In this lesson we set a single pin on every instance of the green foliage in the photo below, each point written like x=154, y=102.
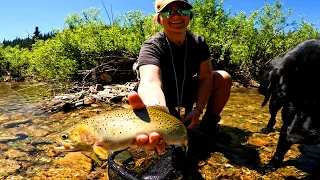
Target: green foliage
x=17, y=59
x=244, y=43
x=13, y=60
x=87, y=39
x=304, y=31
x=137, y=29
x=209, y=17
x=47, y=61
x=3, y=62
x=239, y=43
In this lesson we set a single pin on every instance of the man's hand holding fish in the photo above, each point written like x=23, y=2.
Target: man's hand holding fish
x=152, y=140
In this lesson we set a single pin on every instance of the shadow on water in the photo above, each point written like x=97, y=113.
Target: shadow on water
x=307, y=161
x=235, y=151
x=238, y=153
x=17, y=124
x=19, y=137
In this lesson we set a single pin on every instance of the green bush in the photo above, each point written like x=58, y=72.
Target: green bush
x=239, y=43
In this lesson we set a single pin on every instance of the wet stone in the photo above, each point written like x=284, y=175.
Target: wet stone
x=15, y=177
x=259, y=141
x=38, y=131
x=76, y=160
x=99, y=87
x=4, y=147
x=3, y=117
x=8, y=167
x=25, y=164
x=98, y=173
x=74, y=165
x=12, y=154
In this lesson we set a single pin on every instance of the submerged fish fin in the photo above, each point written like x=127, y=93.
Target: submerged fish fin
x=161, y=108
x=93, y=157
x=102, y=153
x=185, y=146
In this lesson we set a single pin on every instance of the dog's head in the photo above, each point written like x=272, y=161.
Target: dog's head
x=271, y=77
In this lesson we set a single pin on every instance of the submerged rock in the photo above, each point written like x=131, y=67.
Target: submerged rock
x=12, y=154
x=74, y=165
x=8, y=167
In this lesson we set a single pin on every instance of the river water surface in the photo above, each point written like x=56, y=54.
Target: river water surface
x=27, y=138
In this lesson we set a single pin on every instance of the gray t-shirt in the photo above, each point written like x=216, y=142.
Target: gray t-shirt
x=156, y=51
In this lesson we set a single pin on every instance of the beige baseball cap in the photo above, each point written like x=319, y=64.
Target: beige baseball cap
x=161, y=4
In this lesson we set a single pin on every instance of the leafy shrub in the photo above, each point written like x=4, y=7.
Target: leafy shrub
x=239, y=43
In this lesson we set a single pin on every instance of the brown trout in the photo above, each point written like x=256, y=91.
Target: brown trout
x=115, y=130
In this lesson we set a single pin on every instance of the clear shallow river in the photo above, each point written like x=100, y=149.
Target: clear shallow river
x=27, y=140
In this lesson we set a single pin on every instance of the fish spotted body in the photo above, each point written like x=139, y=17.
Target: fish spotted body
x=116, y=130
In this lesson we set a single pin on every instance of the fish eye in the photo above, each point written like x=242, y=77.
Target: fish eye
x=64, y=136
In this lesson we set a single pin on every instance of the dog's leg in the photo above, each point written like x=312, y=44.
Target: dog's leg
x=282, y=148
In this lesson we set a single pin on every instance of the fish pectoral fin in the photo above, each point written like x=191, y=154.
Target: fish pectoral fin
x=101, y=152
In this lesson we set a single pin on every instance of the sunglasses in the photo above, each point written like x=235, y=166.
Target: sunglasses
x=170, y=12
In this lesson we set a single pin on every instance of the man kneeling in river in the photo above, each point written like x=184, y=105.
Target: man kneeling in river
x=175, y=71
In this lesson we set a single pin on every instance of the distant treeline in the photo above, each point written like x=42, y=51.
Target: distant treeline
x=27, y=42
x=239, y=43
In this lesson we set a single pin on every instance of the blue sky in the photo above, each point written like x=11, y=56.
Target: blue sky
x=18, y=18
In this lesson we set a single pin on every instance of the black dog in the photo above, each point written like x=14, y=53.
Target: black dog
x=269, y=86
x=292, y=82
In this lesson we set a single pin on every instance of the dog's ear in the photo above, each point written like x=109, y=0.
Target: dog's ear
x=272, y=81
x=270, y=78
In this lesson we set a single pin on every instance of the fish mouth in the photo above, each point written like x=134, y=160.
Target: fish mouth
x=65, y=147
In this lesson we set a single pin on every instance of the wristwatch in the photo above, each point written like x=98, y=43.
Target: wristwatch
x=196, y=108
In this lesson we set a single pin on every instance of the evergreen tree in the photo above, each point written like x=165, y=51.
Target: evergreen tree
x=27, y=42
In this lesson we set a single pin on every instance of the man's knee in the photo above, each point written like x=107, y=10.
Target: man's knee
x=221, y=79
